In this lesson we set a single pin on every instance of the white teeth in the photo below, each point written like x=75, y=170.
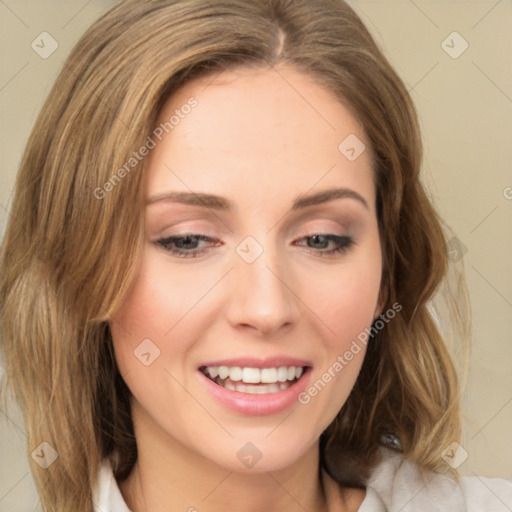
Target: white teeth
x=251, y=375
x=273, y=388
x=268, y=375
x=282, y=374
x=235, y=373
x=255, y=375
x=258, y=389
x=223, y=372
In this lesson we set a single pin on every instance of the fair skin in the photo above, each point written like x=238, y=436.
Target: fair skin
x=260, y=143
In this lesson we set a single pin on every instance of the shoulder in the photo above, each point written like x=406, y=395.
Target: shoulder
x=106, y=494
x=398, y=484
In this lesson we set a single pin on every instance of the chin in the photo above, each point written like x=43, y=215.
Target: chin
x=259, y=456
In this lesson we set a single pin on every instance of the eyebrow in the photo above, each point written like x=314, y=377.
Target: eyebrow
x=222, y=204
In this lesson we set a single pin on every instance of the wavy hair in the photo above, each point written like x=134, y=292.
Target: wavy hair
x=68, y=258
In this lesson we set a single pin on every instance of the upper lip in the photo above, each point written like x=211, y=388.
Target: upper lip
x=254, y=362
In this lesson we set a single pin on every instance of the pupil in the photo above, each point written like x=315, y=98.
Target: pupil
x=320, y=239
x=185, y=241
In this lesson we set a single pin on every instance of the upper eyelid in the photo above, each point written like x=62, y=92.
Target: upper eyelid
x=202, y=233
x=351, y=211
x=343, y=222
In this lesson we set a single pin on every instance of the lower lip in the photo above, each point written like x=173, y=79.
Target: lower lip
x=257, y=405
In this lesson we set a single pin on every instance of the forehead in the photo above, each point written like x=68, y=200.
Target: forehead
x=258, y=135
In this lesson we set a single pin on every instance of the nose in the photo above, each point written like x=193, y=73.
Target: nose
x=262, y=296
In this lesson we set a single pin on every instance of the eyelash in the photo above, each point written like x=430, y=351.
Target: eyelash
x=345, y=243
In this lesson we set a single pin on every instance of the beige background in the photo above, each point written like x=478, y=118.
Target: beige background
x=465, y=106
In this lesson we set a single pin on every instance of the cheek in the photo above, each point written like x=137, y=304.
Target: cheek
x=152, y=332
x=159, y=303
x=145, y=323
x=347, y=299
x=346, y=306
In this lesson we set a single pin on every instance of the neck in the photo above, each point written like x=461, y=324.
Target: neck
x=169, y=477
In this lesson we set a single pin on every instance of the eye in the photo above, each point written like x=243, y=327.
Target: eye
x=184, y=246
x=321, y=241
x=188, y=246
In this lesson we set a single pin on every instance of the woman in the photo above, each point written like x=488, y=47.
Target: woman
x=217, y=279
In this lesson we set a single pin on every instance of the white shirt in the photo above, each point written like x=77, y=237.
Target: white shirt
x=395, y=485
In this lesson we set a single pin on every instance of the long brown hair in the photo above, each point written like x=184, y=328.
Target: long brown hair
x=68, y=256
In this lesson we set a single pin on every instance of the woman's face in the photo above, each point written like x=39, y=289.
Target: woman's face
x=239, y=337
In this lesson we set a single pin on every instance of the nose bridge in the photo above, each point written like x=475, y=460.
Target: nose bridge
x=261, y=296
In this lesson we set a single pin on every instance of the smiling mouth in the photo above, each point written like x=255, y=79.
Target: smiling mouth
x=254, y=380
